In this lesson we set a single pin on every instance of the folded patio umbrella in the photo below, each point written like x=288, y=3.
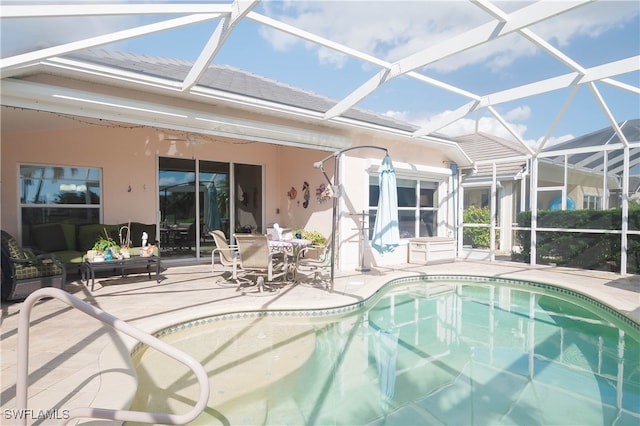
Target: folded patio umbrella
x=212, y=214
x=386, y=236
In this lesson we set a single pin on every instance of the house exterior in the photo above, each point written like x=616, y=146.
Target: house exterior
x=476, y=187
x=108, y=137
x=594, y=177
x=586, y=172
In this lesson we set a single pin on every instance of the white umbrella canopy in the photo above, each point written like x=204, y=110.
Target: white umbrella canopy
x=386, y=236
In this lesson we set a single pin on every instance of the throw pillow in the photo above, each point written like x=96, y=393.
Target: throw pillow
x=49, y=237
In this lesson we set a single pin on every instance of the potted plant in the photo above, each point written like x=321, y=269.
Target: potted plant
x=316, y=238
x=105, y=244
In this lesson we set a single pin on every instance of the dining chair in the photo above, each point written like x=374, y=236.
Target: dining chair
x=227, y=253
x=314, y=259
x=257, y=259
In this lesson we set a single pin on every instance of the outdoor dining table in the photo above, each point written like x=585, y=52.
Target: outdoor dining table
x=289, y=248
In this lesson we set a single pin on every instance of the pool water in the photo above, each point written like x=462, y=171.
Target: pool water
x=419, y=352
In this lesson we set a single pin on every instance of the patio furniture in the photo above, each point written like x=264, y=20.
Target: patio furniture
x=257, y=259
x=312, y=259
x=185, y=239
x=227, y=253
x=288, y=250
x=23, y=272
x=88, y=269
x=70, y=242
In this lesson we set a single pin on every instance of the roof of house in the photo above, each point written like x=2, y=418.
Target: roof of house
x=482, y=146
x=604, y=137
x=231, y=80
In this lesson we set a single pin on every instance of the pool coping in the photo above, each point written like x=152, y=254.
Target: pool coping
x=556, y=290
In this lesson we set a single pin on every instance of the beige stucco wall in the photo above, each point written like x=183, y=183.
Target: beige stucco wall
x=128, y=156
x=408, y=158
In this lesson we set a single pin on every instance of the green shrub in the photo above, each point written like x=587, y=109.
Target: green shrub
x=479, y=237
x=575, y=249
x=315, y=237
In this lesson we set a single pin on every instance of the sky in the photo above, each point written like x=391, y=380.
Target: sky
x=591, y=35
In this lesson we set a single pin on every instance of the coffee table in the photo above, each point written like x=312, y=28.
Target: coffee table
x=88, y=269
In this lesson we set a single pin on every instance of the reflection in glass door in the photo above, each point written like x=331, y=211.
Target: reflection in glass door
x=248, y=195
x=222, y=188
x=177, y=195
x=214, y=202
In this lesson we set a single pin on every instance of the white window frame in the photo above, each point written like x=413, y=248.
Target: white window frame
x=420, y=173
x=21, y=205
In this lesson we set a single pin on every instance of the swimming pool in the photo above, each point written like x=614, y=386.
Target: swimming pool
x=423, y=350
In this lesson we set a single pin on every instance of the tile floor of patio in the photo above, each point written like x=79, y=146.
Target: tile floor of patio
x=76, y=361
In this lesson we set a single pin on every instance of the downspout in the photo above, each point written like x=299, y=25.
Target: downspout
x=492, y=209
x=454, y=180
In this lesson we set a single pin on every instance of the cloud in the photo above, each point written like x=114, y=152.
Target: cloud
x=555, y=140
x=395, y=30
x=518, y=114
x=484, y=124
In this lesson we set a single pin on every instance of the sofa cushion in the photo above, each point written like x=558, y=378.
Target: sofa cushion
x=70, y=230
x=70, y=256
x=49, y=237
x=88, y=235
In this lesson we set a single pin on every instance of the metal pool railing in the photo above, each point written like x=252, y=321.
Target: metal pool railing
x=119, y=325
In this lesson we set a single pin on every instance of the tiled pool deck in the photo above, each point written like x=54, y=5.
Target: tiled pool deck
x=76, y=361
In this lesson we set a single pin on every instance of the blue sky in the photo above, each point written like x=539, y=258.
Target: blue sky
x=592, y=35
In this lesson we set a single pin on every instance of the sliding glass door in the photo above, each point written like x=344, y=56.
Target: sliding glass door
x=198, y=196
x=214, y=199
x=248, y=191
x=177, y=194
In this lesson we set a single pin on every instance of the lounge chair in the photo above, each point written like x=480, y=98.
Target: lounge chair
x=257, y=259
x=227, y=254
x=23, y=272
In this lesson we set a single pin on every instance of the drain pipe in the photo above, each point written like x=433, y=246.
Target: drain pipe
x=454, y=180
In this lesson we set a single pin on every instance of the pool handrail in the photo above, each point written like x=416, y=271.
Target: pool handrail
x=119, y=325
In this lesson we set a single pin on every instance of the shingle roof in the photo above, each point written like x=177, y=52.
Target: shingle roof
x=231, y=80
x=602, y=137
x=481, y=146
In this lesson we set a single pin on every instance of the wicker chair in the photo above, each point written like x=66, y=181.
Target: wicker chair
x=23, y=272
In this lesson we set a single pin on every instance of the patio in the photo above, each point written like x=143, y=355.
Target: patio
x=75, y=361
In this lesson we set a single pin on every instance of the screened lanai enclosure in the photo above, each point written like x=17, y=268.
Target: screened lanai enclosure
x=559, y=79
x=584, y=210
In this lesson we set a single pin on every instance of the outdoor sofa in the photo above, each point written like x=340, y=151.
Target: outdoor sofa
x=69, y=242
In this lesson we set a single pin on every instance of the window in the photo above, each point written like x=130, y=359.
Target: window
x=417, y=207
x=592, y=202
x=59, y=194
